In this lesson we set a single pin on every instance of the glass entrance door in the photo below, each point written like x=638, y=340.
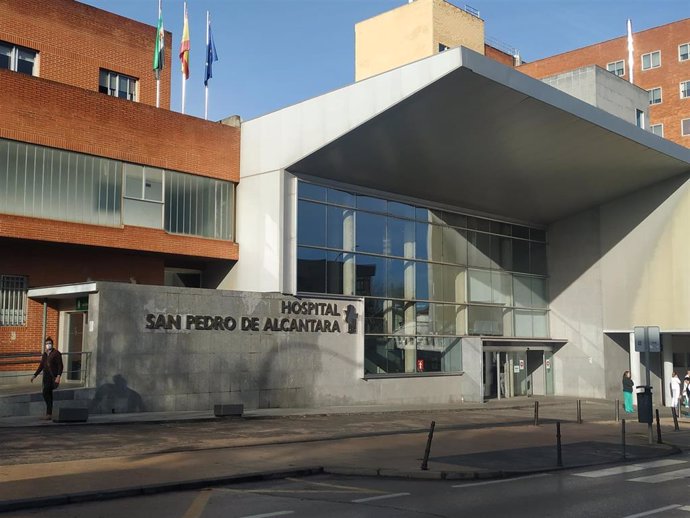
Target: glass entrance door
x=75, y=343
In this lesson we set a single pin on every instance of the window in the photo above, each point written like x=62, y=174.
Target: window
x=639, y=118
x=442, y=47
x=651, y=60
x=684, y=52
x=13, y=300
x=143, y=196
x=657, y=129
x=655, y=95
x=684, y=89
x=685, y=127
x=17, y=59
x=117, y=85
x=616, y=67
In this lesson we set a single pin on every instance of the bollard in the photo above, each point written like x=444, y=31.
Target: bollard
x=675, y=419
x=536, y=413
x=428, y=446
x=658, y=427
x=623, y=437
x=617, y=411
x=579, y=411
x=559, y=454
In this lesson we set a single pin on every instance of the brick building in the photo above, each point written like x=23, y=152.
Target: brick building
x=662, y=67
x=96, y=182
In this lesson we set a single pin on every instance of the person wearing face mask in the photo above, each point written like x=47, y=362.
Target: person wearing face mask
x=51, y=366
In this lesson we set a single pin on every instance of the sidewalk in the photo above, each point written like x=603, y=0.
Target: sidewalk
x=192, y=450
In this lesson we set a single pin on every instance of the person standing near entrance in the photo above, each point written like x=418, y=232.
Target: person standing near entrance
x=51, y=366
x=675, y=393
x=627, y=392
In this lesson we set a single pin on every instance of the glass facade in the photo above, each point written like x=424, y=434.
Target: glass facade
x=428, y=277
x=48, y=183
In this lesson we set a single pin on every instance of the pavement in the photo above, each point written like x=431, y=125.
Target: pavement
x=45, y=463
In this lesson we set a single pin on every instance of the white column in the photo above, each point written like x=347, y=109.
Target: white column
x=635, y=367
x=349, y=273
x=408, y=293
x=667, y=358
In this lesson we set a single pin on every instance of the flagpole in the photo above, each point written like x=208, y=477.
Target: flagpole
x=631, y=60
x=158, y=75
x=184, y=79
x=184, y=88
x=206, y=85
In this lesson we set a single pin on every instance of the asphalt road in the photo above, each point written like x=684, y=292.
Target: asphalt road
x=649, y=488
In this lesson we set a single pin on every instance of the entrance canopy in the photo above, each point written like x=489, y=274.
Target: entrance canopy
x=473, y=134
x=66, y=291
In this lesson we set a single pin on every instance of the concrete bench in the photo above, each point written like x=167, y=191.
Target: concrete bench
x=228, y=410
x=71, y=415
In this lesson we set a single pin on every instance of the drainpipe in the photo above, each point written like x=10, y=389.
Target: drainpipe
x=45, y=318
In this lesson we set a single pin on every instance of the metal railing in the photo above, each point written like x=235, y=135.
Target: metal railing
x=76, y=366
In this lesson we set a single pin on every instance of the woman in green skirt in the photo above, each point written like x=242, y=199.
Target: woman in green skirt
x=628, y=392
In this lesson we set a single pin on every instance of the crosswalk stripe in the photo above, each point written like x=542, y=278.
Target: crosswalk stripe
x=653, y=511
x=619, y=470
x=381, y=497
x=502, y=481
x=663, y=477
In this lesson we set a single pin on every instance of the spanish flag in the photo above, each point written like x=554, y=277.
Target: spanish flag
x=184, y=46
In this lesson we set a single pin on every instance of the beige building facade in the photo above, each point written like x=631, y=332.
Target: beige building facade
x=413, y=31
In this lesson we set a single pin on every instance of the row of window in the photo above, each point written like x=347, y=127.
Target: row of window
x=41, y=182
x=649, y=60
x=655, y=96
x=658, y=129
x=362, y=203
x=25, y=61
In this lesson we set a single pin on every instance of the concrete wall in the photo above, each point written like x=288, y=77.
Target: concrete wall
x=260, y=201
x=604, y=90
x=612, y=268
x=135, y=369
x=576, y=306
x=411, y=32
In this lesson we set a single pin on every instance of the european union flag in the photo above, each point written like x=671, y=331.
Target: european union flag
x=211, y=55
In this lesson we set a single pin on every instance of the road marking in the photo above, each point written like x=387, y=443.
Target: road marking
x=663, y=477
x=502, y=480
x=381, y=497
x=619, y=470
x=198, y=505
x=287, y=491
x=685, y=508
x=352, y=489
x=267, y=515
x=653, y=511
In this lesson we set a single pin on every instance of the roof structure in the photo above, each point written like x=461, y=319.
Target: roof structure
x=459, y=129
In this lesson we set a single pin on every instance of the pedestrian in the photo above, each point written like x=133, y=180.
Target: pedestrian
x=51, y=366
x=628, y=392
x=685, y=395
x=675, y=393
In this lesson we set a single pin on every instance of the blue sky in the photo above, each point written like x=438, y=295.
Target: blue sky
x=274, y=53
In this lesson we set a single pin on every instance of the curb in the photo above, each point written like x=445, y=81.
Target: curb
x=185, y=485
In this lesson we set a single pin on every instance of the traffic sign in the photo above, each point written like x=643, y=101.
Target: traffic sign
x=647, y=338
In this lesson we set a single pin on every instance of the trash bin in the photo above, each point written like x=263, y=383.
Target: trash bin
x=644, y=404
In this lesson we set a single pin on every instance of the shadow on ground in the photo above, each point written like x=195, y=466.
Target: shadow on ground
x=574, y=454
